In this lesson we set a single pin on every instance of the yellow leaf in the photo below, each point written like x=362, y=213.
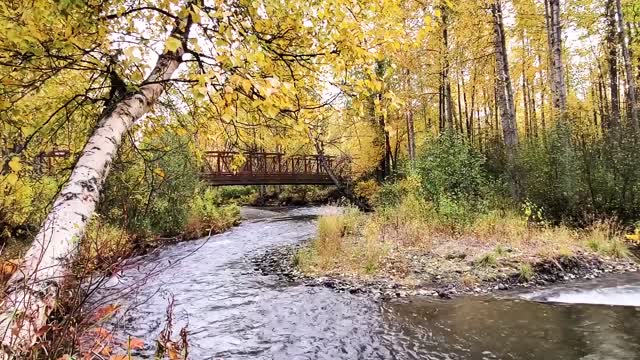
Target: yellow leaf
x=12, y=179
x=173, y=44
x=246, y=85
x=158, y=172
x=172, y=353
x=14, y=164
x=195, y=14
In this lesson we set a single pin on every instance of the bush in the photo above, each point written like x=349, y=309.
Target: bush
x=23, y=204
x=367, y=190
x=577, y=175
x=450, y=168
x=393, y=193
x=102, y=246
x=160, y=193
x=208, y=215
x=151, y=195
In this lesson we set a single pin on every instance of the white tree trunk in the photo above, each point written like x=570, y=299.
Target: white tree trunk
x=504, y=97
x=630, y=77
x=504, y=86
x=558, y=83
x=34, y=287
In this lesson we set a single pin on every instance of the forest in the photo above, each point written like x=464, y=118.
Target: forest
x=511, y=122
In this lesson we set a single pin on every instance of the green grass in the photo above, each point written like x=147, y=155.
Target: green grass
x=525, y=272
x=487, y=260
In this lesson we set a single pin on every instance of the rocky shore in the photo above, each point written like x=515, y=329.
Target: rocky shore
x=430, y=275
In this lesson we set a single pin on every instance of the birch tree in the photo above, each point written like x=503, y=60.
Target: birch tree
x=504, y=93
x=558, y=83
x=35, y=288
x=612, y=61
x=630, y=77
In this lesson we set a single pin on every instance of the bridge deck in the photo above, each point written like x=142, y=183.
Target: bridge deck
x=233, y=168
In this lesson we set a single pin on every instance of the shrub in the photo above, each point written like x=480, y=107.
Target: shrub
x=236, y=194
x=151, y=192
x=393, y=193
x=23, y=204
x=103, y=245
x=208, y=215
x=367, y=190
x=577, y=175
x=450, y=168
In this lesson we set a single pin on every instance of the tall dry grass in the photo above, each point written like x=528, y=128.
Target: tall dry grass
x=359, y=243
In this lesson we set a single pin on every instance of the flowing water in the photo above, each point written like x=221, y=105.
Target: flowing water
x=234, y=312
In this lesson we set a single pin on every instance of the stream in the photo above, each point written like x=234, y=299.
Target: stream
x=233, y=312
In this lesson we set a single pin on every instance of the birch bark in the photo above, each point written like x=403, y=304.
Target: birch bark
x=628, y=69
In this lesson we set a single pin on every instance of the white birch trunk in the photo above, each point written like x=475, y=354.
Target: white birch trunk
x=630, y=78
x=504, y=86
x=34, y=287
x=558, y=83
x=504, y=95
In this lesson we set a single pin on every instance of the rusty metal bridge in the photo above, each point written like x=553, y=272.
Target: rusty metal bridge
x=263, y=168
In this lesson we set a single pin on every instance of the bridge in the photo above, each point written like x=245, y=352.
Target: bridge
x=263, y=168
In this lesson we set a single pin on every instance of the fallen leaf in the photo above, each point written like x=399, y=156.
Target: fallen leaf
x=105, y=312
x=102, y=333
x=106, y=351
x=135, y=343
x=43, y=330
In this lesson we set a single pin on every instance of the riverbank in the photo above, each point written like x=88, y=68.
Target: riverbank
x=443, y=277
x=295, y=195
x=106, y=245
x=396, y=255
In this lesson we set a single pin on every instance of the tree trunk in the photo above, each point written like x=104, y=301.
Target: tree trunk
x=411, y=137
x=34, y=288
x=631, y=81
x=554, y=37
x=605, y=117
x=525, y=100
x=504, y=91
x=446, y=82
x=612, y=60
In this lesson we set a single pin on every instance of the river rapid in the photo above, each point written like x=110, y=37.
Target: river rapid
x=233, y=311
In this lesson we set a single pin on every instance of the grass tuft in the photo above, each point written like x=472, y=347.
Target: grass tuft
x=525, y=272
x=487, y=260
x=607, y=239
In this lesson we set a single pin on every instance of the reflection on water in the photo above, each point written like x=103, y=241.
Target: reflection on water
x=233, y=312
x=474, y=328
